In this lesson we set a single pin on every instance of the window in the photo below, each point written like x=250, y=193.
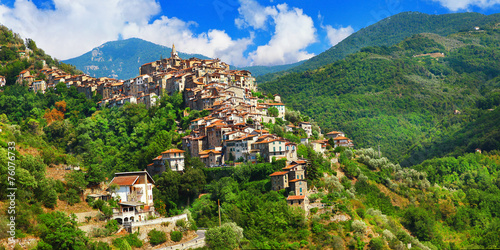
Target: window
x=280, y=148
x=297, y=176
x=300, y=191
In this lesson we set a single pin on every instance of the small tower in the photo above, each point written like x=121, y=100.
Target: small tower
x=174, y=54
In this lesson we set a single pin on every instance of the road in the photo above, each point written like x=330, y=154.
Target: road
x=194, y=243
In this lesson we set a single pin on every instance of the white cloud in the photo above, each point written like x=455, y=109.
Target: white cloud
x=335, y=36
x=294, y=32
x=75, y=27
x=455, y=5
x=254, y=15
x=214, y=43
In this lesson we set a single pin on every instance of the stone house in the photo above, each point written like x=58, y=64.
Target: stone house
x=334, y=134
x=279, y=180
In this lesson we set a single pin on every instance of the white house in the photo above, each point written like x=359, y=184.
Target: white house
x=135, y=195
x=175, y=159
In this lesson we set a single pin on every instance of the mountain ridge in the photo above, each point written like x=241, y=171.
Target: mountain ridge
x=121, y=59
x=401, y=25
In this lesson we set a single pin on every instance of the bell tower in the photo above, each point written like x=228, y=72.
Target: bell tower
x=174, y=54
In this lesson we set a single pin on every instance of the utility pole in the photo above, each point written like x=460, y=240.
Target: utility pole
x=218, y=203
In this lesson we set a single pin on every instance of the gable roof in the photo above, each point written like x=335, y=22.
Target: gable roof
x=129, y=178
x=125, y=180
x=296, y=197
x=278, y=173
x=174, y=150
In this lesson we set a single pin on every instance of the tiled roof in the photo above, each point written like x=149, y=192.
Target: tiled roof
x=295, y=180
x=174, y=150
x=125, y=180
x=278, y=173
x=296, y=197
x=334, y=133
x=289, y=166
x=340, y=138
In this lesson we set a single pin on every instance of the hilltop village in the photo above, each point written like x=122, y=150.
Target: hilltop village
x=233, y=132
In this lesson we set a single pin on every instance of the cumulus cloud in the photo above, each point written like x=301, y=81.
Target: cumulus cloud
x=254, y=15
x=294, y=31
x=74, y=27
x=214, y=43
x=455, y=5
x=335, y=36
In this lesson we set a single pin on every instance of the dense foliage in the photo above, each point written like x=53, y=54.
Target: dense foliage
x=414, y=107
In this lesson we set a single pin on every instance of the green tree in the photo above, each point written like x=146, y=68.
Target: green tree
x=228, y=236
x=273, y=111
x=157, y=237
x=176, y=236
x=61, y=231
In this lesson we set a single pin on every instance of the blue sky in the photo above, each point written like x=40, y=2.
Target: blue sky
x=241, y=32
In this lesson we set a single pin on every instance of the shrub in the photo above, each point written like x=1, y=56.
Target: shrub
x=157, y=237
x=112, y=226
x=358, y=226
x=377, y=243
x=127, y=242
x=176, y=236
x=314, y=210
x=361, y=213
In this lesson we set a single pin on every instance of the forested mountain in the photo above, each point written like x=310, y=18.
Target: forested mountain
x=415, y=101
x=262, y=70
x=122, y=59
x=390, y=31
x=416, y=107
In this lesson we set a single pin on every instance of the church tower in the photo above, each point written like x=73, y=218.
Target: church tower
x=174, y=54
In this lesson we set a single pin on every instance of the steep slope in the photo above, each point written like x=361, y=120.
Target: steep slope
x=390, y=31
x=386, y=96
x=122, y=59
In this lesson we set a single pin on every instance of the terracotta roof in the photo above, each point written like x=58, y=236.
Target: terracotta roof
x=278, y=173
x=334, y=133
x=300, y=162
x=125, y=180
x=174, y=150
x=209, y=151
x=157, y=158
x=340, y=138
x=295, y=180
x=290, y=166
x=296, y=197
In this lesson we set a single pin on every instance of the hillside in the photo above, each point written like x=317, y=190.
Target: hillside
x=423, y=98
x=17, y=55
x=122, y=59
x=390, y=31
x=384, y=95
x=262, y=70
